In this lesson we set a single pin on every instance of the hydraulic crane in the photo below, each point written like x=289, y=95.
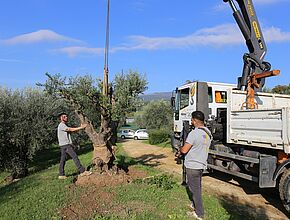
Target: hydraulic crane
x=255, y=69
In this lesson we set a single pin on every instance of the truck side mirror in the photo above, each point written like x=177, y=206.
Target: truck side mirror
x=172, y=100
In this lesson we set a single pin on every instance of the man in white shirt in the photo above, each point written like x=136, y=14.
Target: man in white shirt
x=65, y=143
x=196, y=149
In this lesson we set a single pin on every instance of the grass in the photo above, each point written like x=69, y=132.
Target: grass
x=159, y=203
x=41, y=195
x=163, y=144
x=3, y=175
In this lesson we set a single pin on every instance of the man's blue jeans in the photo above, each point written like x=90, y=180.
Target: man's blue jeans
x=194, y=184
x=68, y=150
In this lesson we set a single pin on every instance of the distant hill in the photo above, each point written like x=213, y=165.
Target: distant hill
x=156, y=96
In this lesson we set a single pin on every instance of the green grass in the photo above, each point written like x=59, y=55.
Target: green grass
x=163, y=144
x=3, y=175
x=41, y=195
x=164, y=204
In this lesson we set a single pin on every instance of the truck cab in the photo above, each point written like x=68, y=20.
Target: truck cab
x=252, y=144
x=190, y=97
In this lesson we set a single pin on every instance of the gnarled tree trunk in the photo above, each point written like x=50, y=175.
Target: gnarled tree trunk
x=103, y=155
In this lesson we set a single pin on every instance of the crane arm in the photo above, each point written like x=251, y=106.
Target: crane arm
x=249, y=25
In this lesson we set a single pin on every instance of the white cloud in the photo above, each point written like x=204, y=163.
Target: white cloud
x=223, y=6
x=274, y=34
x=218, y=36
x=10, y=61
x=222, y=35
x=38, y=36
x=139, y=5
x=264, y=2
x=74, y=51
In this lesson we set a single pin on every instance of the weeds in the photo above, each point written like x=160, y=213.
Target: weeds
x=160, y=181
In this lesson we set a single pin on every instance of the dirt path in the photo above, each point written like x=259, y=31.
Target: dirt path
x=238, y=195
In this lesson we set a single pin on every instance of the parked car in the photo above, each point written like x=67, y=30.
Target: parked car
x=126, y=133
x=141, y=134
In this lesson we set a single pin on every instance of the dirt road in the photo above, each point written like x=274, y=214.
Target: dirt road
x=237, y=196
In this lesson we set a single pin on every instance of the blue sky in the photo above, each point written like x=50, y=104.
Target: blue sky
x=169, y=41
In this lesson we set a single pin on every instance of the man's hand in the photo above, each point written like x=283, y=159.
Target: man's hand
x=178, y=157
x=84, y=125
x=178, y=154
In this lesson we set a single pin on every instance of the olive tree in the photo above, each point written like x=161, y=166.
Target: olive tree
x=281, y=89
x=27, y=124
x=155, y=115
x=127, y=88
x=94, y=109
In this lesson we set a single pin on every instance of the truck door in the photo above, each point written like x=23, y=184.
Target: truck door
x=202, y=98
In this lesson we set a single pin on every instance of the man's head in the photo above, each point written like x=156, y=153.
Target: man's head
x=197, y=118
x=63, y=117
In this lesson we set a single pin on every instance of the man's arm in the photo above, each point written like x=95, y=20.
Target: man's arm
x=186, y=147
x=76, y=129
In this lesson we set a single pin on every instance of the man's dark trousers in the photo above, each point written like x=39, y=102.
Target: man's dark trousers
x=68, y=149
x=194, y=184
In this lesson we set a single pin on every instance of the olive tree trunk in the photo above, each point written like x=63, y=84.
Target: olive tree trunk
x=103, y=154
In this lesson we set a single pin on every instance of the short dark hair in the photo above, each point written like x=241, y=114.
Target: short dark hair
x=62, y=113
x=198, y=115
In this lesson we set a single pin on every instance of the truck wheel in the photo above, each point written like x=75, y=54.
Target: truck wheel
x=284, y=189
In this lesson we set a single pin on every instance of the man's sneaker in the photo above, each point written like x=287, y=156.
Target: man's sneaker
x=193, y=214
x=86, y=173
x=62, y=177
x=192, y=207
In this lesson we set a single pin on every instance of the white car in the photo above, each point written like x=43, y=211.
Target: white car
x=141, y=134
x=126, y=133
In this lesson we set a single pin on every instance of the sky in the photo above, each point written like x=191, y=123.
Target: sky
x=169, y=41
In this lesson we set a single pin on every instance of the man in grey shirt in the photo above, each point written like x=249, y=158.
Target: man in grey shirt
x=65, y=143
x=196, y=149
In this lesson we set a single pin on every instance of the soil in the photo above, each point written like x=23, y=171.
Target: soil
x=237, y=196
x=94, y=195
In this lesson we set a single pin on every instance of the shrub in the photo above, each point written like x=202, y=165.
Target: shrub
x=160, y=181
x=27, y=124
x=158, y=136
x=155, y=115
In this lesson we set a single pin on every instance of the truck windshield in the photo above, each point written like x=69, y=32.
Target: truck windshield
x=184, y=98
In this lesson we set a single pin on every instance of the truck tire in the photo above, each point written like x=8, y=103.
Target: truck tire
x=284, y=189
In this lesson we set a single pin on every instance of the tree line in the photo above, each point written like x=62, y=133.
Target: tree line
x=29, y=117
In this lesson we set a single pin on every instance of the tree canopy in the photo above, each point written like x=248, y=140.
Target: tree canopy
x=27, y=124
x=281, y=89
x=127, y=88
x=94, y=108
x=155, y=115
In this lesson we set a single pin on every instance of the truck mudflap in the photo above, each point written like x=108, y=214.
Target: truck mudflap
x=267, y=167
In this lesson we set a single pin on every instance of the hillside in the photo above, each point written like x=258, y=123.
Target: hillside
x=156, y=96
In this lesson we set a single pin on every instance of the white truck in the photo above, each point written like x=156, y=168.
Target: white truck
x=251, y=129
x=253, y=144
